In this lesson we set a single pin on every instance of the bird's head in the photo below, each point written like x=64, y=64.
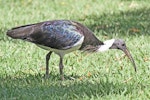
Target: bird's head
x=121, y=45
x=118, y=44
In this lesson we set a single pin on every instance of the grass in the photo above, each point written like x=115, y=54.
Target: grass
x=97, y=76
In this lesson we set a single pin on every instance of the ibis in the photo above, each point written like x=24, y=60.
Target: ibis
x=65, y=36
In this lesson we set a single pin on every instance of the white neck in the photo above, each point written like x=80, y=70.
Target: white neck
x=106, y=46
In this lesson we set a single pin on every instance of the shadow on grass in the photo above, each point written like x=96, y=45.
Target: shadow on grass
x=132, y=22
x=34, y=86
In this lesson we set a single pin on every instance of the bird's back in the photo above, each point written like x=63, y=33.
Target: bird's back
x=57, y=34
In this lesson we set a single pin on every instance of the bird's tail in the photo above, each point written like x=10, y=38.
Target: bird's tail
x=20, y=32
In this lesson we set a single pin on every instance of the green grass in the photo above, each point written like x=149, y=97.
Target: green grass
x=22, y=64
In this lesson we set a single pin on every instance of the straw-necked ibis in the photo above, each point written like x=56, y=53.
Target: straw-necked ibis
x=65, y=36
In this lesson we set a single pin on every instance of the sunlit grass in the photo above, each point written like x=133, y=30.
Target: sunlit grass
x=107, y=75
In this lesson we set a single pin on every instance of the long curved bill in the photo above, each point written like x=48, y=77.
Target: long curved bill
x=126, y=51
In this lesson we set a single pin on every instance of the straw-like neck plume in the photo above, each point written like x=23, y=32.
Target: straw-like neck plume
x=106, y=46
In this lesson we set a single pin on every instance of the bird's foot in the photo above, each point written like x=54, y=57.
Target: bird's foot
x=46, y=76
x=62, y=77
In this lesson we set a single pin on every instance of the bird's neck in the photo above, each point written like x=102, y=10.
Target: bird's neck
x=107, y=44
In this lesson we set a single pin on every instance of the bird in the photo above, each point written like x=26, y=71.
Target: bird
x=63, y=37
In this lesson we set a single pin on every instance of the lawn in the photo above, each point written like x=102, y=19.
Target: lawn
x=99, y=76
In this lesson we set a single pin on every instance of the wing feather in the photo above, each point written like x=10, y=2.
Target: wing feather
x=57, y=35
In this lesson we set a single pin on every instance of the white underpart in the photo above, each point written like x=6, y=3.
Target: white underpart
x=106, y=46
x=64, y=51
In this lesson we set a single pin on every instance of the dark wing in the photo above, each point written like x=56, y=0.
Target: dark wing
x=57, y=34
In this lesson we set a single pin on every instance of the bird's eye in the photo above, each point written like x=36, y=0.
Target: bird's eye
x=24, y=38
x=123, y=44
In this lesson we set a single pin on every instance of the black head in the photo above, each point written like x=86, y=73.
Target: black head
x=120, y=44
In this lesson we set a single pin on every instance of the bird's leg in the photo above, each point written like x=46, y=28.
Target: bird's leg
x=47, y=64
x=61, y=68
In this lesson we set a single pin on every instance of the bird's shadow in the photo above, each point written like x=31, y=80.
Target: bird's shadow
x=48, y=88
x=57, y=76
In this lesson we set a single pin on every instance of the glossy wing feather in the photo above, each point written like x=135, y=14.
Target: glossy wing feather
x=57, y=35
